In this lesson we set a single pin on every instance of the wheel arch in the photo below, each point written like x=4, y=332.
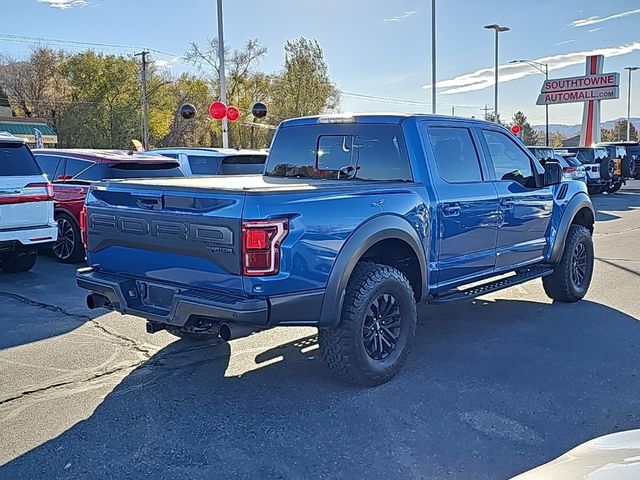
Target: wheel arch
x=579, y=211
x=381, y=238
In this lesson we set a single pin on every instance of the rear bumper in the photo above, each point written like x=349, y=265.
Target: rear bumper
x=183, y=305
x=41, y=236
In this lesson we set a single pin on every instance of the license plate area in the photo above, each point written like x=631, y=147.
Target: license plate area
x=156, y=296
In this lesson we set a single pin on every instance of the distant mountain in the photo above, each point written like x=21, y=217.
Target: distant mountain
x=571, y=130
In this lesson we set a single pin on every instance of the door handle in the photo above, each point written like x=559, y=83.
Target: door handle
x=507, y=203
x=451, y=210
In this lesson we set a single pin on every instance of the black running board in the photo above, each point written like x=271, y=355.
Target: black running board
x=521, y=276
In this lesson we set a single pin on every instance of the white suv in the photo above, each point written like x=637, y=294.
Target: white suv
x=26, y=207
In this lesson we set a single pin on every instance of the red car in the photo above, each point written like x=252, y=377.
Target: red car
x=72, y=171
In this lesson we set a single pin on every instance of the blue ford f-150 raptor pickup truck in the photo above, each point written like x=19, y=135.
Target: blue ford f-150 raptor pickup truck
x=355, y=219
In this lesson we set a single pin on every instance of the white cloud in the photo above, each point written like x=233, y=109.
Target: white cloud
x=484, y=78
x=64, y=4
x=583, y=22
x=398, y=18
x=595, y=29
x=564, y=43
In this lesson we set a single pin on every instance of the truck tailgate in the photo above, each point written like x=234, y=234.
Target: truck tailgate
x=183, y=237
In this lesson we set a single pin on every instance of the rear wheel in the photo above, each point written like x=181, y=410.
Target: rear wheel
x=19, y=261
x=607, y=169
x=376, y=329
x=571, y=277
x=595, y=190
x=68, y=247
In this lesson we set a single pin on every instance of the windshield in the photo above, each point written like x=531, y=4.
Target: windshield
x=340, y=152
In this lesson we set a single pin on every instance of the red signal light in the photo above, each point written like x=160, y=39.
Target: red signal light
x=233, y=114
x=217, y=110
x=516, y=129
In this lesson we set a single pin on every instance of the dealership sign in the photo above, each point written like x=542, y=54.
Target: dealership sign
x=580, y=89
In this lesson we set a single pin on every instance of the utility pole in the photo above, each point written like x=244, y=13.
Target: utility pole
x=433, y=56
x=453, y=111
x=498, y=29
x=486, y=111
x=631, y=69
x=223, y=78
x=145, y=107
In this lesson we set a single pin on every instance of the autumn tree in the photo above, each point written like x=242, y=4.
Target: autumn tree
x=35, y=86
x=619, y=132
x=556, y=139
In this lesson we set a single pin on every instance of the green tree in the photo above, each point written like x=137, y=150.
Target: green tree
x=304, y=86
x=529, y=135
x=104, y=101
x=556, y=139
x=490, y=117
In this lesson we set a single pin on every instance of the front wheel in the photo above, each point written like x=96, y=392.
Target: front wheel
x=571, y=277
x=376, y=329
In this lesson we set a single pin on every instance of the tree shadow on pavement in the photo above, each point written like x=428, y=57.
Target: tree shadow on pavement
x=490, y=389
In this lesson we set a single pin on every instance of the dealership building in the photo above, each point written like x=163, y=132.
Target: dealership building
x=25, y=127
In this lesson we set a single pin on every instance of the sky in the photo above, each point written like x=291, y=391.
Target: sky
x=378, y=51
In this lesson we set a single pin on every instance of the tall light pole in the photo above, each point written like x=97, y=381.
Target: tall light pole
x=497, y=29
x=433, y=56
x=542, y=68
x=631, y=69
x=223, y=78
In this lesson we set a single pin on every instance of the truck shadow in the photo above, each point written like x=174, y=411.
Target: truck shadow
x=490, y=389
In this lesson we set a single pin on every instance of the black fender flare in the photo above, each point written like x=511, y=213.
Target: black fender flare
x=382, y=227
x=577, y=203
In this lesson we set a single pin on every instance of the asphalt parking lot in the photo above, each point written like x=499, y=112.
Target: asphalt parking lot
x=493, y=387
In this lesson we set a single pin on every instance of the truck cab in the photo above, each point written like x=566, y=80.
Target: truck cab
x=354, y=221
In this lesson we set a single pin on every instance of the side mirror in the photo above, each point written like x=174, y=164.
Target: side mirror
x=552, y=173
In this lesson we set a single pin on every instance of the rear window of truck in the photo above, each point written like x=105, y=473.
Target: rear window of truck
x=340, y=152
x=16, y=161
x=142, y=170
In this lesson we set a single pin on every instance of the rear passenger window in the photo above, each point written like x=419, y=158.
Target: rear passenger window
x=202, y=165
x=509, y=161
x=456, y=156
x=74, y=167
x=16, y=160
x=345, y=152
x=48, y=164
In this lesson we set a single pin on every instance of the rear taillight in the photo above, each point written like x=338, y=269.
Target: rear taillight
x=83, y=226
x=261, y=246
x=32, y=192
x=569, y=169
x=595, y=169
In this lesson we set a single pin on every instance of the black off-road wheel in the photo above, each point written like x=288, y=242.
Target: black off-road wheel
x=614, y=187
x=629, y=167
x=19, y=261
x=607, y=169
x=571, y=277
x=68, y=247
x=376, y=329
x=595, y=190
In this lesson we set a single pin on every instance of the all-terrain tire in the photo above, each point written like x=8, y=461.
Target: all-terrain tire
x=19, y=261
x=372, y=289
x=571, y=277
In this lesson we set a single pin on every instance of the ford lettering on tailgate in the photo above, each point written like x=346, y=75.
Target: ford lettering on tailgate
x=212, y=242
